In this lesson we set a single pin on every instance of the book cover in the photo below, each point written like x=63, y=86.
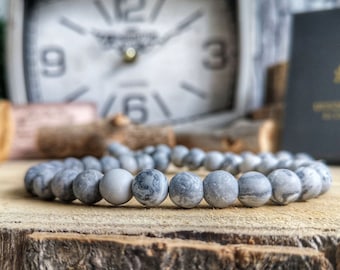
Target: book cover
x=312, y=112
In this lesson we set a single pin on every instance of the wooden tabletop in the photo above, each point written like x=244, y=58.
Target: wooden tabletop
x=35, y=232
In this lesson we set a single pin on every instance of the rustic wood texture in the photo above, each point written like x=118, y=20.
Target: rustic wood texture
x=30, y=228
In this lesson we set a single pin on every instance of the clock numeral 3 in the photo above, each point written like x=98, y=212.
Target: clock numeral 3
x=217, y=54
x=134, y=107
x=53, y=61
x=126, y=10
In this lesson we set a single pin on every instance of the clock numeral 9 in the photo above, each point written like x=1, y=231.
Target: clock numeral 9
x=53, y=61
x=134, y=107
x=125, y=10
x=217, y=54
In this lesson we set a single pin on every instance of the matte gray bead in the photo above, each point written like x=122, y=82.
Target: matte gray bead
x=86, y=186
x=310, y=181
x=41, y=183
x=284, y=155
x=117, y=149
x=62, y=184
x=325, y=174
x=161, y=160
x=163, y=148
x=285, y=164
x=231, y=163
x=186, y=190
x=286, y=186
x=128, y=162
x=144, y=161
x=250, y=162
x=220, y=189
x=30, y=175
x=115, y=186
x=91, y=163
x=194, y=159
x=254, y=189
x=268, y=163
x=177, y=155
x=150, y=187
x=304, y=156
x=57, y=164
x=150, y=149
x=213, y=160
x=297, y=163
x=73, y=163
x=108, y=163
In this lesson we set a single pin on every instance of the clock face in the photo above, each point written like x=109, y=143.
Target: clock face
x=158, y=61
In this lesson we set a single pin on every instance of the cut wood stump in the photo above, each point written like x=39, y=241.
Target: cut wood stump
x=36, y=234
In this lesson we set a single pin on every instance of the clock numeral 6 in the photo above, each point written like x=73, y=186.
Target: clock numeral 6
x=134, y=107
x=217, y=54
x=53, y=61
x=125, y=10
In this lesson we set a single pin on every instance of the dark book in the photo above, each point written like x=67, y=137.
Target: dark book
x=312, y=113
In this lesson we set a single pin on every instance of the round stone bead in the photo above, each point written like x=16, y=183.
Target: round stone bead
x=177, y=155
x=108, y=163
x=31, y=173
x=220, y=189
x=91, y=163
x=149, y=150
x=284, y=164
x=117, y=149
x=250, y=162
x=150, y=187
x=73, y=163
x=194, y=159
x=57, y=164
x=86, y=186
x=213, y=160
x=41, y=183
x=62, y=183
x=128, y=162
x=144, y=161
x=284, y=155
x=304, y=156
x=161, y=160
x=186, y=190
x=231, y=163
x=268, y=163
x=115, y=186
x=163, y=148
x=286, y=186
x=254, y=189
x=325, y=174
x=311, y=183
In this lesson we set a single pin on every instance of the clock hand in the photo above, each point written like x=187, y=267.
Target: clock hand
x=183, y=25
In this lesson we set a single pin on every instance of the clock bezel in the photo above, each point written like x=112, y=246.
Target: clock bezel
x=16, y=74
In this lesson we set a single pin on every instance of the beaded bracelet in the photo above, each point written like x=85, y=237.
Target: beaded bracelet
x=281, y=178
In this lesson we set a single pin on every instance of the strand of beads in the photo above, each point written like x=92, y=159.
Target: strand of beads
x=281, y=178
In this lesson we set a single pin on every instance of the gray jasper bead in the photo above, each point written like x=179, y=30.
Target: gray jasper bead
x=231, y=163
x=144, y=161
x=250, y=162
x=284, y=164
x=325, y=174
x=177, y=155
x=57, y=164
x=117, y=149
x=73, y=163
x=284, y=155
x=286, y=186
x=254, y=189
x=108, y=163
x=161, y=160
x=163, y=148
x=304, y=156
x=150, y=187
x=213, y=160
x=128, y=162
x=220, y=189
x=62, y=184
x=194, y=159
x=41, y=183
x=310, y=181
x=86, y=186
x=91, y=163
x=268, y=163
x=186, y=190
x=115, y=186
x=30, y=175
x=150, y=149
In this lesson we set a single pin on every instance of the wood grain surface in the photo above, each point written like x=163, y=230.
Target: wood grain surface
x=38, y=234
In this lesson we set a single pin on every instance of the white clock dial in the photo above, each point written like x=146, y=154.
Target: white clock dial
x=157, y=61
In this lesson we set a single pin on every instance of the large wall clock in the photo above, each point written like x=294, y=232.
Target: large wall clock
x=158, y=61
